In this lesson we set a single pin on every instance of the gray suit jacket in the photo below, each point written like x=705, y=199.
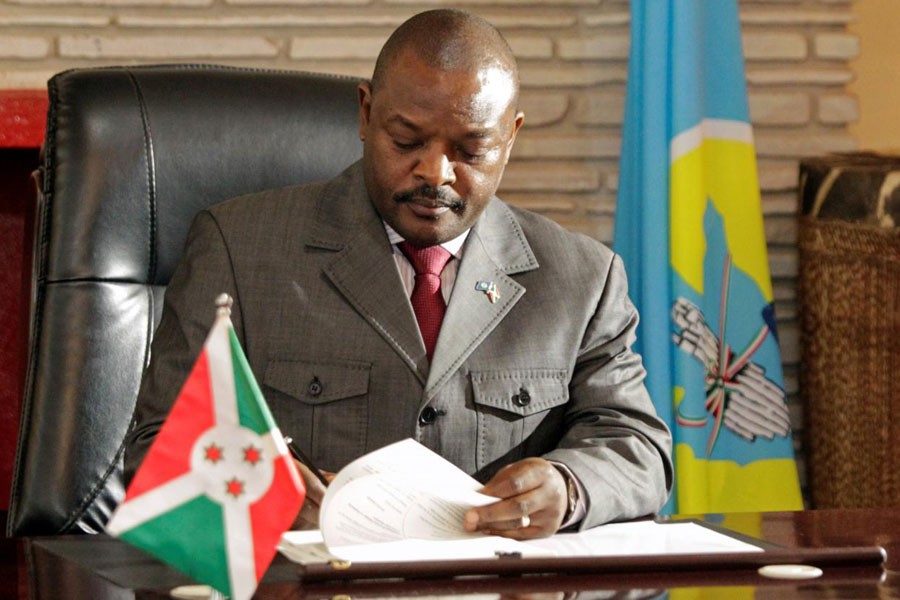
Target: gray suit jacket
x=329, y=332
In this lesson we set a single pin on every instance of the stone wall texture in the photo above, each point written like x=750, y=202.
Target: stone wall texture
x=573, y=59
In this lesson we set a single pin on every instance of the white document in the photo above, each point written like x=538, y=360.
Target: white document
x=305, y=547
x=308, y=547
x=639, y=538
x=642, y=538
x=402, y=491
x=406, y=503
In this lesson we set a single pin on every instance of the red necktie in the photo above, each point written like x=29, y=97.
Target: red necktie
x=427, y=300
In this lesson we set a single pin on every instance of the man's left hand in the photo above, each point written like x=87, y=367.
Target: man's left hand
x=533, y=501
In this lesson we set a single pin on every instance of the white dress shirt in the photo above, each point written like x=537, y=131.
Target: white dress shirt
x=448, y=275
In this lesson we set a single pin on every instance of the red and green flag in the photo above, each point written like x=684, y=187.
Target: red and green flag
x=217, y=488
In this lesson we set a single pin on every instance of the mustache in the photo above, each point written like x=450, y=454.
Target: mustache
x=443, y=196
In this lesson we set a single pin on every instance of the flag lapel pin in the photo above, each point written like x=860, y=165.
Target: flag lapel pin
x=489, y=288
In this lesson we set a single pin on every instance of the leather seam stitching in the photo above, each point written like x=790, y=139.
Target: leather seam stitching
x=150, y=164
x=95, y=490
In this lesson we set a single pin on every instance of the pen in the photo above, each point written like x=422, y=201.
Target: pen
x=300, y=456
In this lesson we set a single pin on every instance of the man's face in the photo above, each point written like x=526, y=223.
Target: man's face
x=435, y=145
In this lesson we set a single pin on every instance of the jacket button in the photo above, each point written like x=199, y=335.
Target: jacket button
x=523, y=398
x=315, y=387
x=428, y=416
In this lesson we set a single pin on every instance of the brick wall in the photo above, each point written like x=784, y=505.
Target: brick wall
x=573, y=58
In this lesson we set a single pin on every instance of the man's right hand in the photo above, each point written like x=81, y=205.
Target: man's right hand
x=308, y=517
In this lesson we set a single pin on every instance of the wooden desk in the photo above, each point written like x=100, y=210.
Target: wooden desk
x=103, y=568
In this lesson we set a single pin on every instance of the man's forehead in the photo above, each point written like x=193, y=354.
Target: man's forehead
x=483, y=89
x=477, y=62
x=496, y=86
x=474, y=131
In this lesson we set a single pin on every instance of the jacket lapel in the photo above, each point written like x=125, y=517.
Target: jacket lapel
x=363, y=269
x=495, y=249
x=364, y=272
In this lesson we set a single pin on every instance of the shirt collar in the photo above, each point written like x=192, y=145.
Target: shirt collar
x=454, y=246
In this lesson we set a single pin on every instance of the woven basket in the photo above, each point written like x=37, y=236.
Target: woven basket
x=849, y=300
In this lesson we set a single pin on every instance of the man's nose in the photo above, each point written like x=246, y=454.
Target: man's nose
x=435, y=168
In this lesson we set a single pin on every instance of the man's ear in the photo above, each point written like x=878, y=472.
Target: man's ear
x=520, y=118
x=364, y=92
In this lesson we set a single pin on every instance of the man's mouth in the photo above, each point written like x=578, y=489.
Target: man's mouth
x=427, y=210
x=428, y=202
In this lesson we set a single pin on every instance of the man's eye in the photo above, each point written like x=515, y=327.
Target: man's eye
x=405, y=145
x=473, y=156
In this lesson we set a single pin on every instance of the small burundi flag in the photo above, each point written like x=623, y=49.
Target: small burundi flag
x=217, y=488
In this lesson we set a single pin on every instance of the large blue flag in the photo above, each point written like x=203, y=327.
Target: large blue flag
x=689, y=227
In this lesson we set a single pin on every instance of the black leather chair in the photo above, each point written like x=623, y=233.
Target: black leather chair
x=131, y=154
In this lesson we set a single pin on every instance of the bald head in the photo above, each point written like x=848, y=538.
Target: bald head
x=449, y=40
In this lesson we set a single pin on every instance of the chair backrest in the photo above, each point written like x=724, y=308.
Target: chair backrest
x=131, y=154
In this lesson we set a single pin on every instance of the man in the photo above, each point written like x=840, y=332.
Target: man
x=515, y=364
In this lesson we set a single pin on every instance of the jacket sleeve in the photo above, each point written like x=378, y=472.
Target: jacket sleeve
x=615, y=444
x=205, y=271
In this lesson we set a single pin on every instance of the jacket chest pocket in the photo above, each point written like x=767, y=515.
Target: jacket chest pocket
x=323, y=405
x=513, y=406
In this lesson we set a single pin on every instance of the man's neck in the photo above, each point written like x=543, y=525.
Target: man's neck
x=454, y=246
